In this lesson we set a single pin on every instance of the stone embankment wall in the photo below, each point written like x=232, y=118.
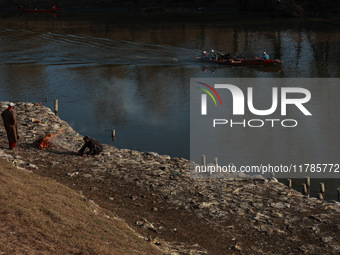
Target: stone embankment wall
x=156, y=196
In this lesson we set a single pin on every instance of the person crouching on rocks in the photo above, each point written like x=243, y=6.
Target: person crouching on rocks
x=94, y=146
x=11, y=125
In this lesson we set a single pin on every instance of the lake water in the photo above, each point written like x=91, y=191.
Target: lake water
x=132, y=73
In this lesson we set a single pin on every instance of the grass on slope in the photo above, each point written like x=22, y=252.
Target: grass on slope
x=41, y=216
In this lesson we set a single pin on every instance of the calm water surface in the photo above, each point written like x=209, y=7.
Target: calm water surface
x=132, y=75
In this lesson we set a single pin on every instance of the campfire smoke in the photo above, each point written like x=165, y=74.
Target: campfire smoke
x=46, y=142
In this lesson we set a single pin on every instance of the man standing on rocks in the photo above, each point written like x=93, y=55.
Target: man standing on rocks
x=95, y=147
x=11, y=125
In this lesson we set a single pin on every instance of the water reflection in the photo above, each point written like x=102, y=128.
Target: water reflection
x=111, y=71
x=23, y=81
x=303, y=46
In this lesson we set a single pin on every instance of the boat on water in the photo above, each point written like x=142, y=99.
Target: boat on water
x=231, y=61
x=53, y=9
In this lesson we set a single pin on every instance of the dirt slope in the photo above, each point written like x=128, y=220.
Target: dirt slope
x=41, y=216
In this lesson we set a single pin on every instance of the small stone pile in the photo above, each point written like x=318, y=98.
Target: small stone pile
x=252, y=215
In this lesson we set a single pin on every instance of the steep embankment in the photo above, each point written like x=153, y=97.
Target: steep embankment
x=155, y=195
x=41, y=216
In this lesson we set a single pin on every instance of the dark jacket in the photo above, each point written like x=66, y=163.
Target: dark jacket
x=11, y=124
x=94, y=146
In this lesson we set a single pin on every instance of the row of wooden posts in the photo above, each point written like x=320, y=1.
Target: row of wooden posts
x=56, y=108
x=305, y=186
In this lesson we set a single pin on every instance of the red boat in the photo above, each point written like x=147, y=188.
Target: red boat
x=53, y=9
x=240, y=61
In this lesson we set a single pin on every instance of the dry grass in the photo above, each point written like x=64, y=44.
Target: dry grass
x=41, y=216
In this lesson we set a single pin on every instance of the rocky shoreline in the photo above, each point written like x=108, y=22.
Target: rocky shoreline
x=155, y=195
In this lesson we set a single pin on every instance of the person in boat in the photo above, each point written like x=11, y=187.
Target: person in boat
x=265, y=56
x=11, y=125
x=213, y=55
x=204, y=55
x=94, y=147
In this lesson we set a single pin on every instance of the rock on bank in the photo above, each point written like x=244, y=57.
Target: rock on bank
x=155, y=195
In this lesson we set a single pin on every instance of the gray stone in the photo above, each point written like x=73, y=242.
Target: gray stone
x=278, y=205
x=326, y=239
x=205, y=205
x=153, y=154
x=73, y=174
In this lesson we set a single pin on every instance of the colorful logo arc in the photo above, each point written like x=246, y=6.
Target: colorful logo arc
x=209, y=93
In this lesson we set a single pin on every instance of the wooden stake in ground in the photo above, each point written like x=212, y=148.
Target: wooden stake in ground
x=56, y=107
x=216, y=162
x=304, y=189
x=307, y=181
x=289, y=183
x=322, y=188
x=204, y=162
x=113, y=134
